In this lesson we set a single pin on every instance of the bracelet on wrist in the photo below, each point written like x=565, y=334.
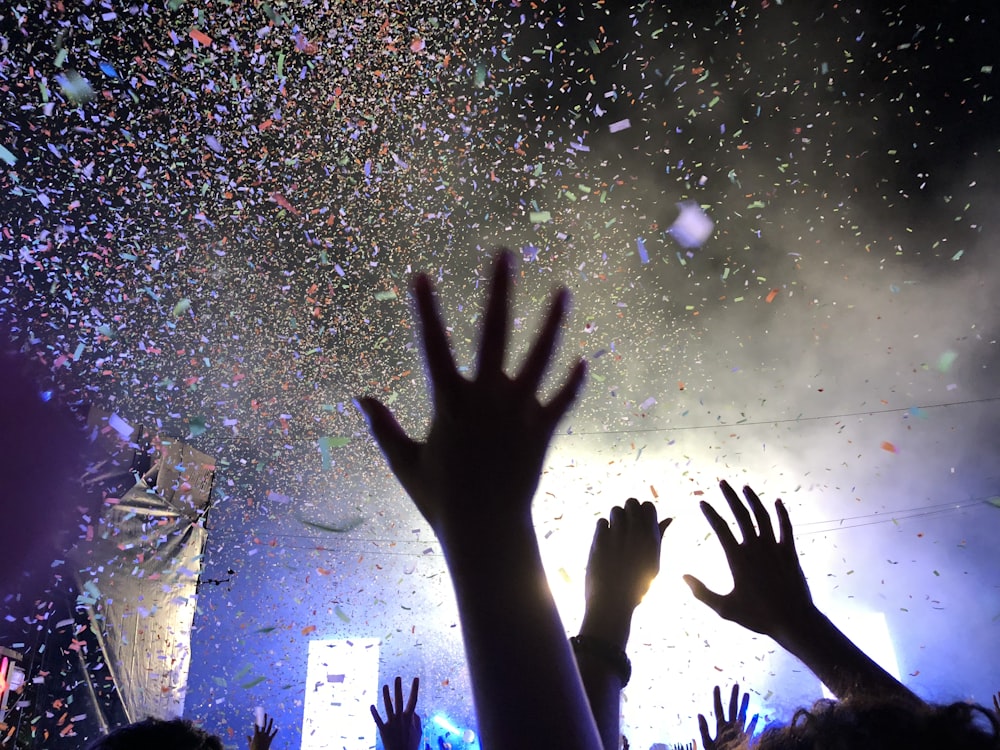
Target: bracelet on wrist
x=614, y=657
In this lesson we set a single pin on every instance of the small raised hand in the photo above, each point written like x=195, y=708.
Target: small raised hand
x=730, y=732
x=401, y=729
x=624, y=556
x=263, y=734
x=770, y=594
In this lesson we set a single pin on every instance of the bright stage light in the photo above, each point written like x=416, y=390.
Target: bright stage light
x=341, y=685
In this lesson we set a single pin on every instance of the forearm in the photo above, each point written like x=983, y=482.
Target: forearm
x=843, y=667
x=525, y=682
x=601, y=681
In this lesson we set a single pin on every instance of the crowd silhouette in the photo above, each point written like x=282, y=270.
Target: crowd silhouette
x=473, y=479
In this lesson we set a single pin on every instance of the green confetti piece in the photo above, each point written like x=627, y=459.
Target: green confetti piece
x=342, y=614
x=253, y=683
x=946, y=360
x=383, y=296
x=339, y=528
x=540, y=217
x=61, y=57
x=269, y=629
x=243, y=672
x=197, y=426
x=994, y=501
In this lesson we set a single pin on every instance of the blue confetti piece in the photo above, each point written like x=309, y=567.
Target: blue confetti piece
x=641, y=245
x=109, y=71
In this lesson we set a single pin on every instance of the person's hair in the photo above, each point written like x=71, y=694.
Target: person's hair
x=158, y=734
x=880, y=724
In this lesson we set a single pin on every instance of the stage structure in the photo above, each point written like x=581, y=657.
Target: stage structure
x=140, y=586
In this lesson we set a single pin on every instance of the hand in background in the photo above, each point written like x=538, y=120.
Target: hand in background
x=262, y=735
x=401, y=729
x=624, y=557
x=689, y=746
x=483, y=455
x=729, y=733
x=770, y=594
x=996, y=703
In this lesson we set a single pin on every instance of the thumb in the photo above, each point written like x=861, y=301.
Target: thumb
x=703, y=594
x=400, y=451
x=664, y=524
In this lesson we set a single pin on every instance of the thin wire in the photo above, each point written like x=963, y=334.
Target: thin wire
x=819, y=417
x=712, y=426
x=835, y=525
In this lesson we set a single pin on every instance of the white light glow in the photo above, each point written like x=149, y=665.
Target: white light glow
x=870, y=633
x=341, y=685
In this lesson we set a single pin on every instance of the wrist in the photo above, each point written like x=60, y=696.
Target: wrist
x=589, y=649
x=608, y=622
x=800, y=631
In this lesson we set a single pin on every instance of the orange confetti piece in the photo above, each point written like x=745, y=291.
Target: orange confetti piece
x=653, y=490
x=770, y=297
x=308, y=629
x=201, y=37
x=887, y=446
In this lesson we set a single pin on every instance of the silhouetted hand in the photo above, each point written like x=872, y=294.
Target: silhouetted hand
x=731, y=732
x=624, y=556
x=689, y=746
x=401, y=729
x=483, y=455
x=262, y=735
x=770, y=594
x=996, y=703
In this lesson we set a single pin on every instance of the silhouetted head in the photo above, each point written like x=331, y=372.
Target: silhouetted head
x=157, y=734
x=878, y=724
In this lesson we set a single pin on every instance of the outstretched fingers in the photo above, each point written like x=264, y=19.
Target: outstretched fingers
x=722, y=530
x=541, y=351
x=440, y=362
x=560, y=403
x=760, y=514
x=400, y=451
x=744, y=705
x=706, y=738
x=734, y=698
x=493, y=344
x=785, y=526
x=743, y=519
x=411, y=704
x=399, y=695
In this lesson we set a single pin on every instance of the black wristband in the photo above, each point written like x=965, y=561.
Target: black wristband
x=615, y=657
